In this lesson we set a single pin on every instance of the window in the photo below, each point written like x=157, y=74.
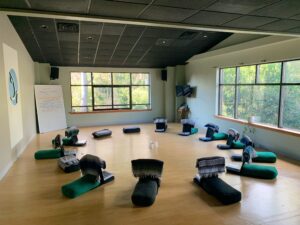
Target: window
x=110, y=91
x=268, y=91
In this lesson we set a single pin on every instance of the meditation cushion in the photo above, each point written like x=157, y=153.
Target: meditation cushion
x=129, y=130
x=80, y=186
x=220, y=189
x=48, y=154
x=264, y=157
x=219, y=136
x=259, y=171
x=145, y=192
x=102, y=133
x=237, y=145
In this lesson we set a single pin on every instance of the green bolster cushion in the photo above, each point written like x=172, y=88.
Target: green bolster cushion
x=220, y=136
x=259, y=171
x=268, y=157
x=79, y=186
x=221, y=190
x=48, y=154
x=145, y=192
x=237, y=145
x=194, y=130
x=263, y=157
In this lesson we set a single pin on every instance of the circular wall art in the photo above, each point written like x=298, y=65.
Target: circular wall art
x=13, y=87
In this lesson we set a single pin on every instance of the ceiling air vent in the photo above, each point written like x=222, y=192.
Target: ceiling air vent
x=68, y=27
x=188, y=35
x=163, y=42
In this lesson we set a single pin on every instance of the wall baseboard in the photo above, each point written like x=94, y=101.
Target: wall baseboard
x=5, y=170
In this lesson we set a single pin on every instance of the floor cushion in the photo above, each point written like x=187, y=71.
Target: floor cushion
x=128, y=130
x=79, y=186
x=220, y=189
x=48, y=154
x=102, y=133
x=237, y=145
x=220, y=136
x=259, y=171
x=263, y=157
x=145, y=192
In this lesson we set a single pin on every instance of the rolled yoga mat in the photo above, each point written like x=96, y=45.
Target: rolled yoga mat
x=145, y=192
x=220, y=136
x=255, y=171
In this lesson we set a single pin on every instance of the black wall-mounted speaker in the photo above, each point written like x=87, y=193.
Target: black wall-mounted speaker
x=164, y=75
x=54, y=74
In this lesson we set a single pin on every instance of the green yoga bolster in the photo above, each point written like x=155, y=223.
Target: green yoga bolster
x=48, y=154
x=263, y=157
x=80, y=186
x=220, y=136
x=259, y=171
x=194, y=130
x=268, y=157
x=237, y=145
x=145, y=192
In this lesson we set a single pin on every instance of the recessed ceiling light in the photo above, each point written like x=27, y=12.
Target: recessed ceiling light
x=44, y=27
x=90, y=38
x=205, y=36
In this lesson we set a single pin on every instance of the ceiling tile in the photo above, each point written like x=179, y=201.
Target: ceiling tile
x=211, y=18
x=281, y=9
x=295, y=30
x=239, y=6
x=191, y=4
x=112, y=29
x=249, y=22
x=90, y=28
x=60, y=5
x=296, y=17
x=116, y=9
x=161, y=13
x=281, y=25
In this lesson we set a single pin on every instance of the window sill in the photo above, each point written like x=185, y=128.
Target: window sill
x=263, y=126
x=110, y=111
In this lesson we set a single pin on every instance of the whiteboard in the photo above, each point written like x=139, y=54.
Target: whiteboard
x=50, y=107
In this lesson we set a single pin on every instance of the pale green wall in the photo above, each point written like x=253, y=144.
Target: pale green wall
x=201, y=72
x=157, y=97
x=26, y=72
x=179, y=80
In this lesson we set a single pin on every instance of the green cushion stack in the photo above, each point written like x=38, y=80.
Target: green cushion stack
x=259, y=171
x=194, y=130
x=80, y=186
x=48, y=154
x=268, y=157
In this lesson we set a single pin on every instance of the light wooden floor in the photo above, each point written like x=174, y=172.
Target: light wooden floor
x=30, y=193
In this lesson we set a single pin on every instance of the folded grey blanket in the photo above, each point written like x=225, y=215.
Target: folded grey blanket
x=210, y=166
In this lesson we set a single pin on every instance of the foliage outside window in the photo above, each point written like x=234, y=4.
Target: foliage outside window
x=270, y=91
x=110, y=91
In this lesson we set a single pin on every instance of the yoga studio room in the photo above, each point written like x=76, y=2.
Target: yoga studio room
x=165, y=112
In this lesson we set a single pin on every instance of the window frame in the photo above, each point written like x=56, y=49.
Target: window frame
x=112, y=86
x=281, y=85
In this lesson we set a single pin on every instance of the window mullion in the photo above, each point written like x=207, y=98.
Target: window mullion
x=281, y=93
x=235, y=92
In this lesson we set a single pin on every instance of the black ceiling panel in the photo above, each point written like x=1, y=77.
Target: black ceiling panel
x=211, y=18
x=72, y=6
x=239, y=6
x=161, y=13
x=116, y=9
x=281, y=25
x=18, y=4
x=281, y=9
x=190, y=4
x=250, y=21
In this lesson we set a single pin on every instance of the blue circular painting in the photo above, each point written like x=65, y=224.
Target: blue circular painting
x=13, y=87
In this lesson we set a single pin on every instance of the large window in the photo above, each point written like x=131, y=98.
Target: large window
x=110, y=91
x=269, y=91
